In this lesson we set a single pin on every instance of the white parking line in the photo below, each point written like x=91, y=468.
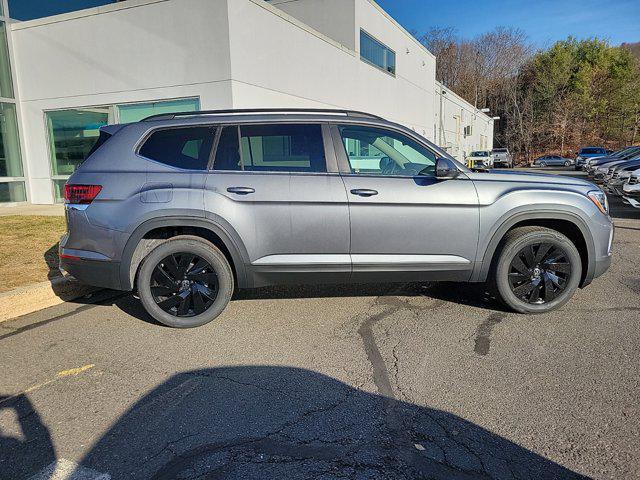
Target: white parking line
x=67, y=470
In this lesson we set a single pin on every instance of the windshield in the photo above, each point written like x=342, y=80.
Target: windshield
x=592, y=151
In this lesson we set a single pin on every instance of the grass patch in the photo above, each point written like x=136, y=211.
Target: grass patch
x=29, y=249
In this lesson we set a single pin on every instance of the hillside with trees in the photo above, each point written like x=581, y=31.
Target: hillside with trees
x=575, y=93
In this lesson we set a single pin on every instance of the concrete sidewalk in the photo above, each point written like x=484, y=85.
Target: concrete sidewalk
x=29, y=209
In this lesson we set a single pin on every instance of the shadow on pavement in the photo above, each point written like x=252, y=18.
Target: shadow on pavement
x=277, y=422
x=27, y=447
x=471, y=294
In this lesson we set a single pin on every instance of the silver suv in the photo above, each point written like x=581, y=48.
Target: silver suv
x=187, y=207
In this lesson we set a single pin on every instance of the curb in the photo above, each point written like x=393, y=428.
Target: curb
x=31, y=298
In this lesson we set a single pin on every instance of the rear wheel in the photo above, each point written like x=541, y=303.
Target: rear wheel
x=538, y=270
x=567, y=163
x=543, y=164
x=185, y=282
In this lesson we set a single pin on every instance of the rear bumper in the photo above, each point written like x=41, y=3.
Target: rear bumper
x=88, y=268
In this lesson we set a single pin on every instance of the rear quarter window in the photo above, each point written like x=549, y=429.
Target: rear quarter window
x=187, y=148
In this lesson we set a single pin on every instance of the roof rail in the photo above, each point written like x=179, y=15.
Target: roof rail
x=171, y=116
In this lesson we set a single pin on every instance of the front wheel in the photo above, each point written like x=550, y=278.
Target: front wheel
x=538, y=270
x=185, y=282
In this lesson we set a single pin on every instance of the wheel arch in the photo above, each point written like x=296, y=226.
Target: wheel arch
x=567, y=223
x=152, y=232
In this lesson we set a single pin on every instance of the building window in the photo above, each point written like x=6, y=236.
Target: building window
x=73, y=132
x=10, y=158
x=6, y=84
x=376, y=53
x=12, y=192
x=134, y=112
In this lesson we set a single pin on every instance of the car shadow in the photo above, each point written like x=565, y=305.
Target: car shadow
x=473, y=295
x=261, y=422
x=66, y=290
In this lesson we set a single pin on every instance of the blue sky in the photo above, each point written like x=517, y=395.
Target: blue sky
x=28, y=9
x=544, y=21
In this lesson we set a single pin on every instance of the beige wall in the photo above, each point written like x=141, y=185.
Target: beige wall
x=333, y=18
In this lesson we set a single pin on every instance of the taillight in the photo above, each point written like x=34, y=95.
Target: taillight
x=81, y=194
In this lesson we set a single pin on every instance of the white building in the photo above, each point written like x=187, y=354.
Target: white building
x=64, y=76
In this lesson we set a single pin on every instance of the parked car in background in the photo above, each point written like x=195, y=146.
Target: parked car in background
x=187, y=207
x=552, y=161
x=626, y=153
x=631, y=189
x=604, y=172
x=586, y=153
x=480, y=159
x=618, y=175
x=502, y=158
x=618, y=157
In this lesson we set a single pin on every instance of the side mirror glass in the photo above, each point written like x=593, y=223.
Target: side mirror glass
x=446, y=169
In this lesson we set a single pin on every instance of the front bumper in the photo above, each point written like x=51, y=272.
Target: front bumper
x=631, y=194
x=602, y=265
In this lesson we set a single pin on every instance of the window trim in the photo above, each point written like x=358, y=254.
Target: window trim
x=343, y=157
x=330, y=161
x=375, y=65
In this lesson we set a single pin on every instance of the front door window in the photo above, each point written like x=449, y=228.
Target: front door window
x=376, y=151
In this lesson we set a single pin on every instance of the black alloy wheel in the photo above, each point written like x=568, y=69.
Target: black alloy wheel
x=539, y=273
x=184, y=284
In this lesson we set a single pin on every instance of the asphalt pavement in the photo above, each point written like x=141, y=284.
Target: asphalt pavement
x=365, y=381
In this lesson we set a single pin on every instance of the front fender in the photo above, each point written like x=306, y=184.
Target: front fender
x=498, y=218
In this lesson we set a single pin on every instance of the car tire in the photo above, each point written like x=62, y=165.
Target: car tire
x=185, y=282
x=567, y=163
x=521, y=279
x=543, y=164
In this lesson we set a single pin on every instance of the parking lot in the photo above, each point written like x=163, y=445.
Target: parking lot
x=375, y=381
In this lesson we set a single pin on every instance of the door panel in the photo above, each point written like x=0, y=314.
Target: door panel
x=294, y=226
x=413, y=224
x=405, y=225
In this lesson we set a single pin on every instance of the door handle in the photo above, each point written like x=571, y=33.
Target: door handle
x=241, y=190
x=364, y=192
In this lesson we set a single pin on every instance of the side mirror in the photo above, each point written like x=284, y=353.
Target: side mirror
x=446, y=169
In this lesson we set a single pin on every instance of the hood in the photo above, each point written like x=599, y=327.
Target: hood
x=607, y=165
x=600, y=160
x=527, y=177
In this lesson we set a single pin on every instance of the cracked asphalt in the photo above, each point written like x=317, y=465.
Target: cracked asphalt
x=367, y=381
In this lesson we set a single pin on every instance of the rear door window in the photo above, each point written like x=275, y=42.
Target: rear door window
x=188, y=148
x=271, y=148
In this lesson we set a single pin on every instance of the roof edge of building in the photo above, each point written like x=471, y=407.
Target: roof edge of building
x=86, y=12
x=476, y=110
